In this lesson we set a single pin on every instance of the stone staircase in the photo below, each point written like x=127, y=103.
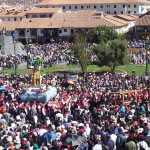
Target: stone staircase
x=8, y=47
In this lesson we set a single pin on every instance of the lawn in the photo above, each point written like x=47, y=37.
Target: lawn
x=92, y=68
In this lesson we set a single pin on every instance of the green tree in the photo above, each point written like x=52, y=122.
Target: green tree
x=104, y=34
x=81, y=52
x=112, y=54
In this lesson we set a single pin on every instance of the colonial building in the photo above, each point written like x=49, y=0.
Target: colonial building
x=66, y=24
x=107, y=6
x=142, y=25
x=42, y=12
x=11, y=15
x=63, y=25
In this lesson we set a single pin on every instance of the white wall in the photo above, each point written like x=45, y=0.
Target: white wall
x=107, y=8
x=65, y=33
x=39, y=32
x=11, y=19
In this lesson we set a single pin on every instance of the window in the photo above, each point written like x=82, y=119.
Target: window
x=82, y=7
x=134, y=12
x=42, y=32
x=101, y=6
x=94, y=6
x=63, y=7
x=123, y=6
x=69, y=7
x=60, y=31
x=107, y=12
x=128, y=6
x=114, y=6
x=107, y=6
x=129, y=12
x=15, y=19
x=75, y=7
x=88, y=6
x=72, y=30
x=114, y=12
x=134, y=6
x=65, y=30
x=121, y=12
x=8, y=19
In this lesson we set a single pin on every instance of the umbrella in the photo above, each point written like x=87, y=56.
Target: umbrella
x=72, y=140
x=41, y=131
x=6, y=116
x=9, y=88
x=3, y=121
x=1, y=80
x=71, y=79
x=48, y=136
x=70, y=82
x=2, y=88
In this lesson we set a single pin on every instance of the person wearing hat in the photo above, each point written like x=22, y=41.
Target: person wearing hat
x=17, y=142
x=130, y=144
x=35, y=147
x=97, y=143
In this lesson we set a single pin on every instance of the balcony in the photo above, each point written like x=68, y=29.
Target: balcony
x=21, y=35
x=33, y=35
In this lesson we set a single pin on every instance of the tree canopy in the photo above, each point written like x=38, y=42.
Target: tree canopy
x=104, y=34
x=112, y=53
x=81, y=52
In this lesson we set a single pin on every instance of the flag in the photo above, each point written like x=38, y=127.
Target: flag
x=148, y=56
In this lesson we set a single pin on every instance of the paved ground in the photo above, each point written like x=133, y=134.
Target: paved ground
x=22, y=66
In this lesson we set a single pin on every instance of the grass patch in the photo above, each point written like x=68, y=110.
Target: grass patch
x=92, y=68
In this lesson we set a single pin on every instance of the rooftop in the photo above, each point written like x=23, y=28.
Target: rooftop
x=42, y=10
x=4, y=14
x=9, y=26
x=39, y=23
x=82, y=2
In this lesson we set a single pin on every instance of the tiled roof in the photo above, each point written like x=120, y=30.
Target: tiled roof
x=12, y=14
x=42, y=10
x=74, y=14
x=127, y=17
x=143, y=21
x=88, y=18
x=9, y=26
x=83, y=2
x=40, y=23
x=90, y=23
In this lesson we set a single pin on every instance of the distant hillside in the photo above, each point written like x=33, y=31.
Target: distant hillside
x=21, y=3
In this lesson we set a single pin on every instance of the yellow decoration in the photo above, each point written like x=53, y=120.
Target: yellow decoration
x=36, y=77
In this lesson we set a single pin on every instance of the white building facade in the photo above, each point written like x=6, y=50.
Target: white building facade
x=122, y=7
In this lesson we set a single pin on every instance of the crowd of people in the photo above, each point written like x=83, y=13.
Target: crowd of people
x=138, y=57
x=59, y=54
x=51, y=55
x=83, y=108
x=136, y=44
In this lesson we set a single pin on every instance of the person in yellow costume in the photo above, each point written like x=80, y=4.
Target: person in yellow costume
x=36, y=77
x=37, y=63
